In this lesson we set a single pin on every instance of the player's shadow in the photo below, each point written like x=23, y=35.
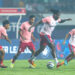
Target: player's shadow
x=29, y=68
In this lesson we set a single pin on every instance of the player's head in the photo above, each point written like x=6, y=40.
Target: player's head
x=56, y=13
x=32, y=19
x=6, y=24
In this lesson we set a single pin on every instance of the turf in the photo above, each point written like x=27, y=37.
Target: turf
x=22, y=68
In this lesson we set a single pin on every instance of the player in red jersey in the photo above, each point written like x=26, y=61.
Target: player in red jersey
x=25, y=38
x=3, y=35
x=71, y=45
x=50, y=23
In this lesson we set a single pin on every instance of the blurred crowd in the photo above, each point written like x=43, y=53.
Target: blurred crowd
x=41, y=6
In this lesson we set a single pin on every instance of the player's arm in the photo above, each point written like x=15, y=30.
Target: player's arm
x=6, y=37
x=67, y=35
x=32, y=36
x=64, y=20
x=35, y=25
x=20, y=32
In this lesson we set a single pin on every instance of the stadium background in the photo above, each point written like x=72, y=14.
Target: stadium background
x=40, y=8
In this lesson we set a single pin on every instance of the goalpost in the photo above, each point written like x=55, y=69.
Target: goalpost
x=13, y=12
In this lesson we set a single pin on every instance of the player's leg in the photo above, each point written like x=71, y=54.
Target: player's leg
x=32, y=49
x=2, y=53
x=37, y=52
x=42, y=47
x=33, y=52
x=21, y=49
x=16, y=56
x=32, y=59
x=51, y=45
x=72, y=55
x=14, y=59
x=69, y=57
x=43, y=44
x=53, y=52
x=40, y=50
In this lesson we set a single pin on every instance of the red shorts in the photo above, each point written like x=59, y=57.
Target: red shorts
x=72, y=48
x=0, y=47
x=23, y=46
x=45, y=39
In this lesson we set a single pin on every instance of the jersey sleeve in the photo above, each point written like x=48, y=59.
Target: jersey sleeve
x=22, y=26
x=71, y=32
x=47, y=19
x=4, y=33
x=59, y=20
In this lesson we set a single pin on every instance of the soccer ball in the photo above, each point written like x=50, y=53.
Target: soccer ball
x=50, y=65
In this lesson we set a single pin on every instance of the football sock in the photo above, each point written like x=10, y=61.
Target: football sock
x=13, y=61
x=1, y=62
x=15, y=57
x=33, y=58
x=56, y=60
x=65, y=62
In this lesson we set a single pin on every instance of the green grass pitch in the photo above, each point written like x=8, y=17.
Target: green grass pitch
x=22, y=68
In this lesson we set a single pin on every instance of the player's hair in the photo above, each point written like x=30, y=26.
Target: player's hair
x=31, y=16
x=5, y=22
x=55, y=11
